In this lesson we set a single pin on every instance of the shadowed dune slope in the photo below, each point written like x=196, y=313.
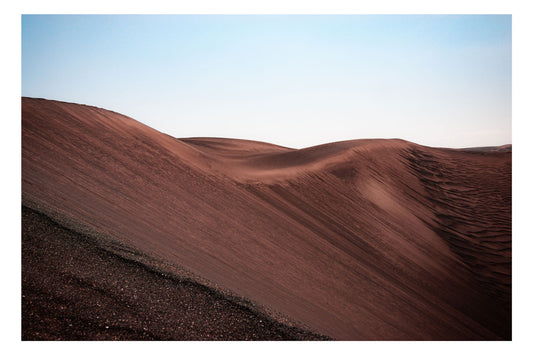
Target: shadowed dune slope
x=364, y=239
x=85, y=287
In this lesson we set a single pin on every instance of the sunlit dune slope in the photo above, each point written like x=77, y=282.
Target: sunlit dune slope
x=363, y=239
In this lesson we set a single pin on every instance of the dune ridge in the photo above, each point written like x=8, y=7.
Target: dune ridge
x=363, y=239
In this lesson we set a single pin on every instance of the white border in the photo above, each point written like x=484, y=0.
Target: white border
x=522, y=79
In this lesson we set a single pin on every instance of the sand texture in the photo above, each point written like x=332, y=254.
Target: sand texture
x=354, y=240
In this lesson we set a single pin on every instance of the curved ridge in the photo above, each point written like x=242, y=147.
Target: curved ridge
x=365, y=239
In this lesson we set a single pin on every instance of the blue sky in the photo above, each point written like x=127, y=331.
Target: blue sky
x=296, y=81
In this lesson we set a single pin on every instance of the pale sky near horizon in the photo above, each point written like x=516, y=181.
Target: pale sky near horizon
x=297, y=81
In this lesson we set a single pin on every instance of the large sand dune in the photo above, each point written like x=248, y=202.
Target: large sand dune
x=363, y=239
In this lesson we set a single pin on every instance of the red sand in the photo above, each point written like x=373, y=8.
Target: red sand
x=364, y=239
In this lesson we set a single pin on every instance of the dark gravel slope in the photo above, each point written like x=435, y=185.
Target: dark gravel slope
x=73, y=289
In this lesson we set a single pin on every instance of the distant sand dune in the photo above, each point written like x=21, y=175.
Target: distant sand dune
x=363, y=239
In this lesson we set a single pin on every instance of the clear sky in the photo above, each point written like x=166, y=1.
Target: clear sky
x=297, y=81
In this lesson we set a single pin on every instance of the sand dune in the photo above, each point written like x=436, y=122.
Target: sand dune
x=363, y=239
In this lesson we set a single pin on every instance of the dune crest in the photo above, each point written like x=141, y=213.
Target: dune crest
x=356, y=240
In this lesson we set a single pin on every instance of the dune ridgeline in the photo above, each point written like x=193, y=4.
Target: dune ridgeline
x=129, y=233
